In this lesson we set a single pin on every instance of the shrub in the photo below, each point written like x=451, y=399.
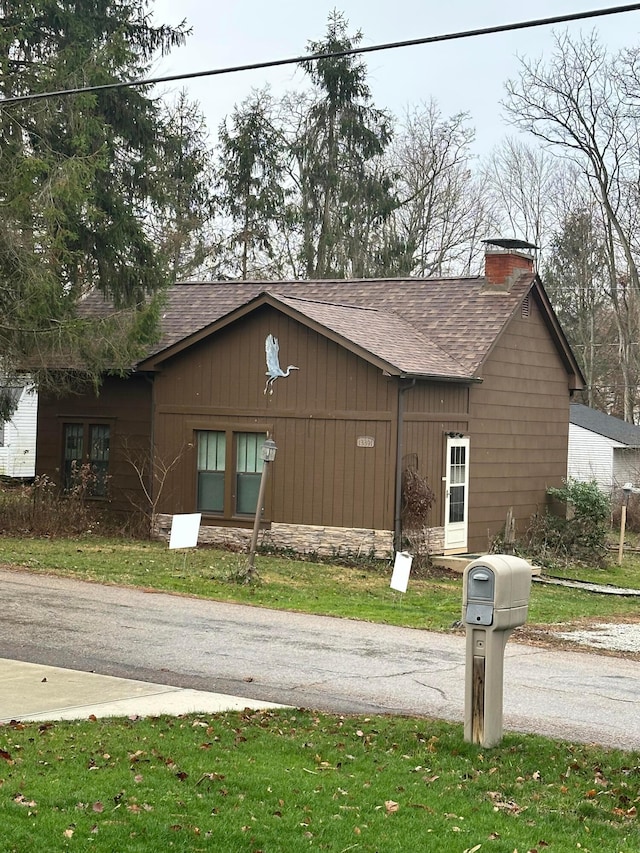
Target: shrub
x=417, y=500
x=580, y=534
x=43, y=509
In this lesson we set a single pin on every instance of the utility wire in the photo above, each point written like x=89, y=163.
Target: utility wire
x=314, y=57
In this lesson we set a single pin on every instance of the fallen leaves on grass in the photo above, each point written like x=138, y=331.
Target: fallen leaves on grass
x=21, y=800
x=500, y=804
x=627, y=813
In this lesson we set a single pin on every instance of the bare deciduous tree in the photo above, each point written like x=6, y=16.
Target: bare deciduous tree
x=576, y=104
x=522, y=184
x=152, y=471
x=441, y=212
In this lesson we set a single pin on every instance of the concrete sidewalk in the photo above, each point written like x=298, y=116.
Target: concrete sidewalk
x=35, y=692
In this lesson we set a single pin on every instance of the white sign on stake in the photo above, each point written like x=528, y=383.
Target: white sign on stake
x=401, y=569
x=184, y=530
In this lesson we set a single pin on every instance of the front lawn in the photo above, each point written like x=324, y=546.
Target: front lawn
x=290, y=780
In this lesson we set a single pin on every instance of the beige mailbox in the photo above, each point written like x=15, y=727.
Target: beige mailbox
x=495, y=600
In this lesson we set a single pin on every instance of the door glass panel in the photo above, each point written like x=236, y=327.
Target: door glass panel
x=456, y=504
x=458, y=461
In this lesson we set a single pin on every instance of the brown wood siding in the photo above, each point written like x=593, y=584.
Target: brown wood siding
x=519, y=429
x=126, y=406
x=431, y=411
x=316, y=416
x=322, y=417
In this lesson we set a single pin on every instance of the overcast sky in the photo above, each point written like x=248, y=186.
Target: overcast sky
x=462, y=76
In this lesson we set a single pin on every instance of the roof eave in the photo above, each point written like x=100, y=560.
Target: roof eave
x=439, y=377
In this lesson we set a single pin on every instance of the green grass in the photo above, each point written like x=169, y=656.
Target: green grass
x=625, y=575
x=288, y=781
x=353, y=592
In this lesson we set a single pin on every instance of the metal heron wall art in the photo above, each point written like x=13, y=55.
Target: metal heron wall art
x=274, y=371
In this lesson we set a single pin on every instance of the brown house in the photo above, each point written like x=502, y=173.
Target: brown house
x=469, y=380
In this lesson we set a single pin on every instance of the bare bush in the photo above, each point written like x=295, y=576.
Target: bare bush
x=44, y=509
x=417, y=500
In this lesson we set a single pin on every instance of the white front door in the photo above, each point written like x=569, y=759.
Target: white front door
x=456, y=502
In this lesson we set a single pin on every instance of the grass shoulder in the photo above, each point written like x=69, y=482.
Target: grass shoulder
x=432, y=600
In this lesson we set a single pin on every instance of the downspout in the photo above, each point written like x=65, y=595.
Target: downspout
x=397, y=533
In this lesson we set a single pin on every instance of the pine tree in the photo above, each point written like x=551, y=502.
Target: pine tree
x=251, y=178
x=345, y=191
x=76, y=183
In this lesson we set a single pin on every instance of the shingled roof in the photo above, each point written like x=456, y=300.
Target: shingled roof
x=600, y=423
x=435, y=327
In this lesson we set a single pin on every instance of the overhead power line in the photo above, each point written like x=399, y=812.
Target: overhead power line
x=313, y=57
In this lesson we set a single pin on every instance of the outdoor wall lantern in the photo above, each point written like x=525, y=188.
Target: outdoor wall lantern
x=268, y=454
x=268, y=451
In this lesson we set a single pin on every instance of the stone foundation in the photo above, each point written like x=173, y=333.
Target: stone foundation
x=305, y=539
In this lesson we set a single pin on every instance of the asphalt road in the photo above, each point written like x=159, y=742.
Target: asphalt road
x=335, y=665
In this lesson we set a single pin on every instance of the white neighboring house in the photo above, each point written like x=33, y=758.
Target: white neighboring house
x=602, y=448
x=18, y=437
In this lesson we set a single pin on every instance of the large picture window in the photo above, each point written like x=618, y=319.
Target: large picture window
x=229, y=471
x=86, y=444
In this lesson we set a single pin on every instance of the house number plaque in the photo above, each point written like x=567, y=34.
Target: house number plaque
x=365, y=441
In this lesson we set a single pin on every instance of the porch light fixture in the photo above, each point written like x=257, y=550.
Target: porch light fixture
x=268, y=451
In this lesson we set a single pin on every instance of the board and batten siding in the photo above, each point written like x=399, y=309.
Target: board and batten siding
x=519, y=429
x=333, y=421
x=124, y=404
x=432, y=410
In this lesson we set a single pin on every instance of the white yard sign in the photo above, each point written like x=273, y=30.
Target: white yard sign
x=401, y=569
x=184, y=530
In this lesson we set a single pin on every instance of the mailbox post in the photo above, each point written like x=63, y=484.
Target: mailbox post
x=495, y=600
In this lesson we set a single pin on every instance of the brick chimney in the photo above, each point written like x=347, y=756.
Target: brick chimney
x=505, y=261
